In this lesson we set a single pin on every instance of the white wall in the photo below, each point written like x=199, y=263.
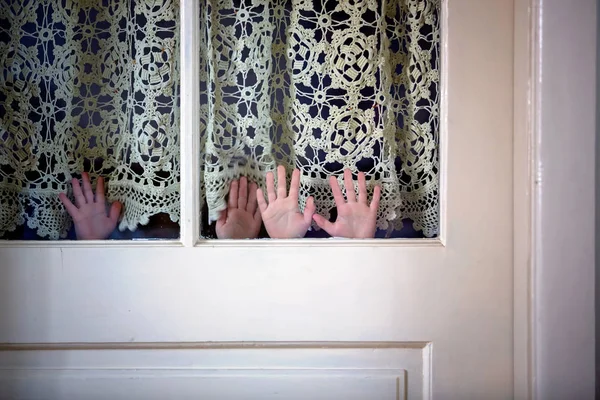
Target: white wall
x=564, y=274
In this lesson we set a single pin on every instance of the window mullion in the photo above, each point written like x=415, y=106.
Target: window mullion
x=190, y=179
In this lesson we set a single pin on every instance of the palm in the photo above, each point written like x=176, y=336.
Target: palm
x=92, y=222
x=356, y=218
x=284, y=220
x=282, y=217
x=241, y=219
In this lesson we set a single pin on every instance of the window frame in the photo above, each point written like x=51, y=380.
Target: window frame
x=190, y=211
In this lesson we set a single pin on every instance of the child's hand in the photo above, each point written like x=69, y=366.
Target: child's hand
x=241, y=219
x=89, y=214
x=354, y=219
x=282, y=216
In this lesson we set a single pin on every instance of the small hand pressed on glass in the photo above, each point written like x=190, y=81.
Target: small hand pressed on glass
x=355, y=219
x=241, y=219
x=89, y=211
x=282, y=216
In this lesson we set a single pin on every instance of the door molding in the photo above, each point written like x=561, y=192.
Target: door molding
x=525, y=145
x=297, y=370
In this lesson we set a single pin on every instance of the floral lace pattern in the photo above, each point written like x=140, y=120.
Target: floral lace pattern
x=321, y=86
x=318, y=85
x=88, y=85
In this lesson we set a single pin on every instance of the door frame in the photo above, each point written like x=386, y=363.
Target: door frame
x=526, y=14
x=554, y=272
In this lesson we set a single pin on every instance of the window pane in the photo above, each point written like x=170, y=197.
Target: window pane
x=322, y=86
x=89, y=87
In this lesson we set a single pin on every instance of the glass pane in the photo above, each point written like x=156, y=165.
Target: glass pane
x=89, y=87
x=321, y=86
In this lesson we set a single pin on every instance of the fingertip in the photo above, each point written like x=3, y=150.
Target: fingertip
x=377, y=191
x=63, y=199
x=115, y=211
x=320, y=221
x=317, y=218
x=309, y=209
x=376, y=197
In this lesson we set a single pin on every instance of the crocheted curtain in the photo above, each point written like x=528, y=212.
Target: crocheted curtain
x=88, y=86
x=324, y=85
x=318, y=85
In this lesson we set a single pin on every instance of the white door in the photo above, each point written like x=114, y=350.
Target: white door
x=306, y=319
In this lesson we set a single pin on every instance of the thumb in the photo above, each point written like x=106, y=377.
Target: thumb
x=115, y=212
x=324, y=224
x=222, y=218
x=309, y=209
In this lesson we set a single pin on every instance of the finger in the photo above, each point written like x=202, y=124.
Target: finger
x=87, y=188
x=233, y=194
x=100, y=190
x=337, y=192
x=324, y=224
x=376, y=196
x=309, y=209
x=281, y=189
x=243, y=193
x=71, y=209
x=251, y=206
x=79, y=197
x=270, y=187
x=262, y=203
x=222, y=218
x=362, y=188
x=350, y=195
x=115, y=212
x=295, y=184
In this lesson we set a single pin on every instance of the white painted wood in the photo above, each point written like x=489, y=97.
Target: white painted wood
x=526, y=44
x=227, y=385
x=456, y=293
x=565, y=175
x=390, y=371
x=190, y=124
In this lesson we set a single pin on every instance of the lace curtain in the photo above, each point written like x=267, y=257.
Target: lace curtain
x=324, y=85
x=88, y=86
x=320, y=85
